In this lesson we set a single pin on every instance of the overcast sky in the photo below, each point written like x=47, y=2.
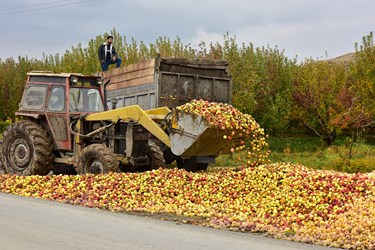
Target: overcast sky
x=303, y=28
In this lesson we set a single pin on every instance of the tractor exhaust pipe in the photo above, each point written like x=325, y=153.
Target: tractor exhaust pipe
x=105, y=94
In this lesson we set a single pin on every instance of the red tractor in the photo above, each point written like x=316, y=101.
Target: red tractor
x=47, y=135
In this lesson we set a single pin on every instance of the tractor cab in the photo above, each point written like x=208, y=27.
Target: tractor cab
x=54, y=99
x=61, y=93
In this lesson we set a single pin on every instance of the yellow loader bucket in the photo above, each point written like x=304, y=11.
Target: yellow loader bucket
x=193, y=136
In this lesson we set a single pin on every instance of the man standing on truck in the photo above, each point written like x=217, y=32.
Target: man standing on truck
x=108, y=55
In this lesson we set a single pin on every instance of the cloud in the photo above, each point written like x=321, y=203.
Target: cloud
x=305, y=28
x=325, y=32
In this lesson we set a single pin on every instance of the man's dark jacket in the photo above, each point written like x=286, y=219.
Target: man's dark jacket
x=102, y=55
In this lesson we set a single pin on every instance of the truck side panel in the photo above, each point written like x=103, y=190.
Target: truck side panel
x=177, y=88
x=130, y=75
x=132, y=84
x=169, y=82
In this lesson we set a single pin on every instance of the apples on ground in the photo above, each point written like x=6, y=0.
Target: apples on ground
x=286, y=201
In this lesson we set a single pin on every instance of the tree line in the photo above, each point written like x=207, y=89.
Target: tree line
x=323, y=97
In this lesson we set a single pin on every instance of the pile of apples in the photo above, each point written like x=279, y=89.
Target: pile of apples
x=241, y=130
x=285, y=201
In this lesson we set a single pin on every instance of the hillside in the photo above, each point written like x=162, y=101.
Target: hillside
x=344, y=58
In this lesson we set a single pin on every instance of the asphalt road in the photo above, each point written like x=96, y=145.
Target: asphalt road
x=27, y=223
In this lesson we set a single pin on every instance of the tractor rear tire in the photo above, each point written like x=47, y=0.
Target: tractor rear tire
x=191, y=164
x=97, y=159
x=155, y=155
x=187, y=164
x=2, y=169
x=26, y=149
x=202, y=166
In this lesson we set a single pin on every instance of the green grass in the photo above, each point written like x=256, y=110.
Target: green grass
x=310, y=152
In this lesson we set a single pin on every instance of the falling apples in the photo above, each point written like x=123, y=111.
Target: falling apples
x=242, y=132
x=286, y=201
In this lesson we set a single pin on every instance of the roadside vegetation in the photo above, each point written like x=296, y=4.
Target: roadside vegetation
x=310, y=151
x=329, y=103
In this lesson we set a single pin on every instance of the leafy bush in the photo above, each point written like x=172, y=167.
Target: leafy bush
x=362, y=165
x=309, y=152
x=4, y=125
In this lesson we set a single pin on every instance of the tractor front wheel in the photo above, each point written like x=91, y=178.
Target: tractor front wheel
x=155, y=155
x=97, y=159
